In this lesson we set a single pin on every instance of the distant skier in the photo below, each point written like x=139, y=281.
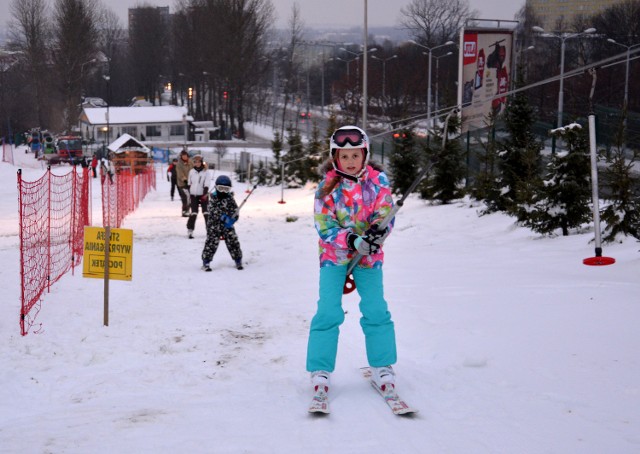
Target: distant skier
x=351, y=200
x=183, y=166
x=223, y=214
x=172, y=176
x=198, y=187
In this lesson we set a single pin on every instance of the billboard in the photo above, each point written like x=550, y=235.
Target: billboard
x=484, y=74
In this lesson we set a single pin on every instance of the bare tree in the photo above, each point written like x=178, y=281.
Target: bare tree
x=112, y=58
x=433, y=22
x=148, y=51
x=75, y=41
x=29, y=31
x=249, y=23
x=291, y=65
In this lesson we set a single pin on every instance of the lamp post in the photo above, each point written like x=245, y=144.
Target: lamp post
x=563, y=37
x=322, y=86
x=430, y=52
x=364, y=53
x=626, y=76
x=514, y=79
x=357, y=56
x=438, y=77
x=365, y=72
x=384, y=70
x=107, y=132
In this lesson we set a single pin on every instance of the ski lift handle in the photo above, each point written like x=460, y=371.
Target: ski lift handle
x=383, y=225
x=389, y=217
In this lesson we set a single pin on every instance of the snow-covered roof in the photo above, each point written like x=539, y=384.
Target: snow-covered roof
x=125, y=140
x=136, y=115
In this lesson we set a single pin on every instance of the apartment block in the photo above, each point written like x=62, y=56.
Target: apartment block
x=549, y=11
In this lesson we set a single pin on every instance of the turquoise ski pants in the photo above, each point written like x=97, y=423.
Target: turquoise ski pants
x=376, y=323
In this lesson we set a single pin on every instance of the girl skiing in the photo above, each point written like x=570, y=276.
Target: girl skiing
x=223, y=214
x=352, y=199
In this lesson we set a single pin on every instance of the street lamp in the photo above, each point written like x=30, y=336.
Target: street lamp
x=384, y=70
x=357, y=56
x=437, y=77
x=626, y=77
x=563, y=37
x=107, y=132
x=430, y=51
x=348, y=62
x=514, y=79
x=364, y=76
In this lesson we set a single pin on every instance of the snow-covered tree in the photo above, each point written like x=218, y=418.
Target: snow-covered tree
x=622, y=215
x=564, y=200
x=519, y=158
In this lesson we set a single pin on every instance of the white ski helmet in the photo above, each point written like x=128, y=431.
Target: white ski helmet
x=349, y=137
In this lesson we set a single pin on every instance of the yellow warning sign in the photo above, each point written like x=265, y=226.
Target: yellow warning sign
x=120, y=253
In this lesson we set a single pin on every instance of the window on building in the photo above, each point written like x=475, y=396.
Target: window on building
x=153, y=131
x=131, y=130
x=177, y=130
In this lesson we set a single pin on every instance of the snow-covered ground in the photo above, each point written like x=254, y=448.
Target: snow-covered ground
x=507, y=342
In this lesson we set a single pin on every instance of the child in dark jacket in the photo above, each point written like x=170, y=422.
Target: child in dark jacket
x=223, y=214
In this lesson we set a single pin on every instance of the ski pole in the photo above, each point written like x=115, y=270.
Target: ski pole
x=349, y=283
x=245, y=199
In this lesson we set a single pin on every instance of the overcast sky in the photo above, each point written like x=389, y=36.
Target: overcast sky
x=324, y=12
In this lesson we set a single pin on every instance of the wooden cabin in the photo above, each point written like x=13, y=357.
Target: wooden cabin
x=129, y=154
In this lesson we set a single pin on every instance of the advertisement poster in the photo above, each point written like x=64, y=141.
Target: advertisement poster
x=485, y=74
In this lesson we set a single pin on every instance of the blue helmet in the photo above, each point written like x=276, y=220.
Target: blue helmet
x=223, y=180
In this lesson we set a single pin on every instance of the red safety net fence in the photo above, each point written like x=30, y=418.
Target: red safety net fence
x=53, y=212
x=122, y=192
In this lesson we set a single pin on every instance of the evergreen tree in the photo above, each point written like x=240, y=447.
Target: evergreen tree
x=404, y=161
x=622, y=215
x=486, y=184
x=519, y=158
x=448, y=167
x=314, y=155
x=332, y=125
x=296, y=161
x=276, y=147
x=564, y=200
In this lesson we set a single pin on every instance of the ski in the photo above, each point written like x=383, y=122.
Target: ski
x=320, y=401
x=391, y=397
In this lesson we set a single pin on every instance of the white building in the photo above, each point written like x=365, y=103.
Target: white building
x=148, y=124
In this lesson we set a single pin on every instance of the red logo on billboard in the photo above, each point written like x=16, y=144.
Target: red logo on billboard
x=470, y=48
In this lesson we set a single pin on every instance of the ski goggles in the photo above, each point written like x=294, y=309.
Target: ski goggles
x=221, y=188
x=348, y=136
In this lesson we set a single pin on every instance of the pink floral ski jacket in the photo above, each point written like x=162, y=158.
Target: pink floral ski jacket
x=352, y=207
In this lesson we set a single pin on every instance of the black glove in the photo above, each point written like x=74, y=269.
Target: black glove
x=362, y=245
x=377, y=236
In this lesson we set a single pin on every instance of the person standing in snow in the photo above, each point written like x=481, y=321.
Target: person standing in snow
x=172, y=176
x=223, y=214
x=198, y=183
x=94, y=165
x=352, y=199
x=183, y=167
